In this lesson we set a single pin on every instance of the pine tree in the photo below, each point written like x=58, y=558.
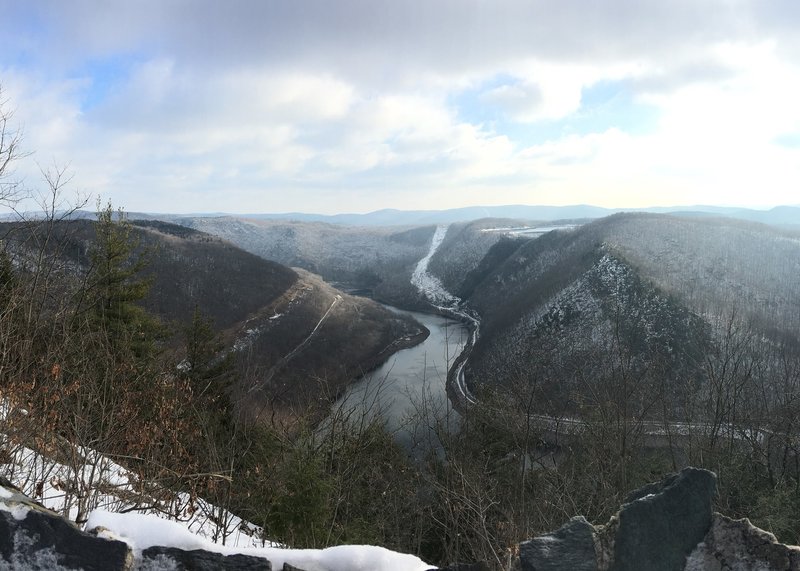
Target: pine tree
x=116, y=284
x=208, y=370
x=205, y=365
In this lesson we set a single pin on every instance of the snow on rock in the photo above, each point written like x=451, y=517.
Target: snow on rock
x=428, y=284
x=17, y=510
x=33, y=537
x=95, y=482
x=142, y=531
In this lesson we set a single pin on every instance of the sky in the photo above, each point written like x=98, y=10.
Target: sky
x=332, y=106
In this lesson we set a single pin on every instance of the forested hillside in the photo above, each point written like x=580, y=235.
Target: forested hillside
x=463, y=249
x=712, y=265
x=658, y=302
x=378, y=260
x=262, y=310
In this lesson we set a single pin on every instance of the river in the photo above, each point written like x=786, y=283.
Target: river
x=410, y=381
x=412, y=384
x=414, y=380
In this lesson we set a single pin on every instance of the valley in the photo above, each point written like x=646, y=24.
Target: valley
x=400, y=286
x=557, y=283
x=495, y=359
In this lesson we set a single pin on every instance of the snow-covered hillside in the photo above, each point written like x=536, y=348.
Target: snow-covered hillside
x=98, y=490
x=428, y=284
x=567, y=339
x=85, y=480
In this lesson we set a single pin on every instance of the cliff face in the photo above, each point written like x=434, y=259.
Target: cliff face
x=666, y=526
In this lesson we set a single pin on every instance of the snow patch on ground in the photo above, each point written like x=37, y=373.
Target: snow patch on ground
x=142, y=531
x=99, y=484
x=94, y=481
x=530, y=231
x=428, y=284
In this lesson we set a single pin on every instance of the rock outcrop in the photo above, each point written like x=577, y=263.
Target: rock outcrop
x=660, y=524
x=199, y=560
x=570, y=547
x=738, y=545
x=33, y=537
x=666, y=526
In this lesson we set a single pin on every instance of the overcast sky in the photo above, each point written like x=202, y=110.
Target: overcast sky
x=355, y=105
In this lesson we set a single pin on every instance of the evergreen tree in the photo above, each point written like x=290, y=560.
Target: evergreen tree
x=116, y=284
x=208, y=370
x=206, y=367
x=7, y=279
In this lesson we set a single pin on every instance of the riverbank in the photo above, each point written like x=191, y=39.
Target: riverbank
x=433, y=302
x=457, y=389
x=411, y=380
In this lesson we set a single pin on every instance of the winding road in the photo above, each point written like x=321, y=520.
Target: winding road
x=288, y=357
x=305, y=341
x=555, y=430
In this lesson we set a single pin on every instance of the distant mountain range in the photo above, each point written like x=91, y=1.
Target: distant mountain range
x=779, y=215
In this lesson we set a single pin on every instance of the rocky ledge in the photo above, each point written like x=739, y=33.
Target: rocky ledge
x=35, y=538
x=666, y=526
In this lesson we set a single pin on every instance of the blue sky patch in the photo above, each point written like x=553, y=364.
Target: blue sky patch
x=106, y=76
x=604, y=105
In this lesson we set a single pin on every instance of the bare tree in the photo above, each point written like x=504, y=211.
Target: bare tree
x=10, y=153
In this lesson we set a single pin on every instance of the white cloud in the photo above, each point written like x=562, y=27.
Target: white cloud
x=352, y=104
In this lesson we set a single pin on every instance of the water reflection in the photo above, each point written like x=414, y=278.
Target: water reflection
x=410, y=386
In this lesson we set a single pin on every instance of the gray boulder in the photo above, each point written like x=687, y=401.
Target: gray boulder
x=572, y=547
x=737, y=545
x=662, y=523
x=656, y=529
x=33, y=537
x=198, y=560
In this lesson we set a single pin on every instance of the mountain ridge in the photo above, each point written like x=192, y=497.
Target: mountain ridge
x=262, y=310
x=642, y=291
x=782, y=215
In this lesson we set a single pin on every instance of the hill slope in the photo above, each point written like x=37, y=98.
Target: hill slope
x=377, y=260
x=639, y=298
x=264, y=310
